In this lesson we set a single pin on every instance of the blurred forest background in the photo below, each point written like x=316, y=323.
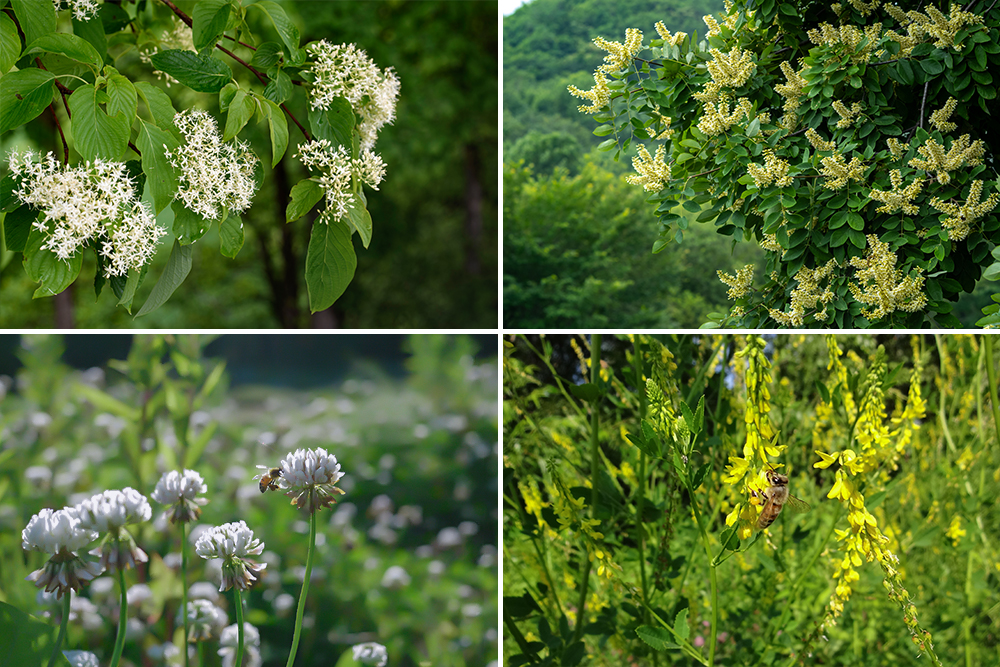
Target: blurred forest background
x=432, y=262
x=577, y=238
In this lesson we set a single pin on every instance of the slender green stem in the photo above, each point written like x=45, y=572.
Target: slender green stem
x=992, y=374
x=555, y=376
x=711, y=572
x=515, y=632
x=62, y=629
x=239, y=627
x=305, y=590
x=942, y=408
x=184, y=591
x=122, y=615
x=595, y=469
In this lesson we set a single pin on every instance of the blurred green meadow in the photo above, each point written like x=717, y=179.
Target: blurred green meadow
x=419, y=449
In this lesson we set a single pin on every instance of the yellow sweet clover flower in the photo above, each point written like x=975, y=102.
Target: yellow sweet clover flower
x=962, y=152
x=960, y=218
x=818, y=142
x=806, y=295
x=871, y=429
x=939, y=118
x=775, y=170
x=881, y=286
x=619, y=55
x=955, y=530
x=673, y=40
x=793, y=89
x=599, y=95
x=898, y=198
x=839, y=172
x=847, y=116
x=653, y=173
x=739, y=284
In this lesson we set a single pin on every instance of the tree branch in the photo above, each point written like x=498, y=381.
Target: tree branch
x=922, y=103
x=52, y=108
x=187, y=19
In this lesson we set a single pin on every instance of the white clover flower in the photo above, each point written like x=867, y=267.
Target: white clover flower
x=344, y=70
x=232, y=542
x=82, y=659
x=90, y=202
x=213, y=176
x=205, y=620
x=311, y=476
x=110, y=512
x=395, y=578
x=251, y=645
x=83, y=10
x=370, y=653
x=53, y=531
x=179, y=491
x=337, y=171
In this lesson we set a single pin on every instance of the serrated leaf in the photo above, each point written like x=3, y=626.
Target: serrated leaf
x=159, y=105
x=37, y=19
x=203, y=74
x=267, y=55
x=681, y=624
x=10, y=43
x=286, y=29
x=330, y=264
x=304, y=195
x=43, y=266
x=97, y=134
x=122, y=98
x=161, y=179
x=71, y=46
x=26, y=93
x=209, y=20
x=240, y=110
x=658, y=638
x=231, y=236
x=177, y=268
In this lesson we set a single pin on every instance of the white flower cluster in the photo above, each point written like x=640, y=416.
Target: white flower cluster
x=205, y=619
x=344, y=70
x=52, y=531
x=82, y=659
x=251, y=645
x=175, y=486
x=370, y=653
x=230, y=540
x=83, y=10
x=178, y=37
x=212, y=175
x=337, y=169
x=94, y=201
x=112, y=510
x=310, y=467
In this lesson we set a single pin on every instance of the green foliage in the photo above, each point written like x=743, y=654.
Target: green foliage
x=543, y=152
x=577, y=249
x=740, y=153
x=330, y=263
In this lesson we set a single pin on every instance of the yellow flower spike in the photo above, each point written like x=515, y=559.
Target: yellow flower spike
x=827, y=459
x=734, y=515
x=852, y=575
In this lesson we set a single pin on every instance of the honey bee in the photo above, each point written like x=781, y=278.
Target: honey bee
x=775, y=497
x=268, y=478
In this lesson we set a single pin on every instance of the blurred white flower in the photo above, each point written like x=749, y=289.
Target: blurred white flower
x=167, y=652
x=337, y=171
x=435, y=568
x=203, y=590
x=180, y=36
x=448, y=538
x=211, y=175
x=205, y=620
x=83, y=10
x=395, y=578
x=311, y=475
x=81, y=659
x=370, y=654
x=95, y=202
x=251, y=645
x=39, y=476
x=468, y=528
x=471, y=610
x=138, y=593
x=179, y=491
x=232, y=543
x=85, y=612
x=380, y=504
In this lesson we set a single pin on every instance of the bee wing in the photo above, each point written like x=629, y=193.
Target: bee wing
x=796, y=506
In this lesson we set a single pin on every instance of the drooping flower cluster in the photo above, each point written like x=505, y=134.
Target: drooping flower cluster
x=311, y=476
x=718, y=117
x=110, y=512
x=344, y=70
x=793, y=90
x=898, y=198
x=179, y=492
x=232, y=542
x=653, y=173
x=337, y=173
x=960, y=218
x=93, y=202
x=214, y=177
x=672, y=40
x=775, y=170
x=848, y=38
x=740, y=284
x=962, y=152
x=838, y=171
x=881, y=286
x=83, y=10
x=62, y=534
x=933, y=24
x=818, y=142
x=619, y=55
x=939, y=118
x=807, y=294
x=847, y=116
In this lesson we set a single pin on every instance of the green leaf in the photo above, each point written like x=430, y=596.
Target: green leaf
x=161, y=180
x=45, y=267
x=855, y=221
x=278, y=127
x=177, y=268
x=93, y=32
x=209, y=22
x=305, y=195
x=106, y=402
x=128, y=293
x=359, y=218
x=231, y=236
x=240, y=111
x=203, y=74
x=10, y=43
x=657, y=638
x=122, y=98
x=17, y=226
x=159, y=105
x=97, y=134
x=113, y=17
x=188, y=225
x=753, y=129
x=267, y=55
x=335, y=124
x=27, y=640
x=36, y=17
x=26, y=93
x=932, y=67
x=681, y=624
x=330, y=264
x=279, y=88
x=286, y=29
x=8, y=200
x=71, y=46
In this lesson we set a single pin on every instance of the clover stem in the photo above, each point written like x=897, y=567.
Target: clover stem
x=62, y=629
x=184, y=595
x=239, y=627
x=122, y=615
x=305, y=589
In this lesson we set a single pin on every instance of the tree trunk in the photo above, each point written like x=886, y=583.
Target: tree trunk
x=64, y=308
x=473, y=210
x=325, y=319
